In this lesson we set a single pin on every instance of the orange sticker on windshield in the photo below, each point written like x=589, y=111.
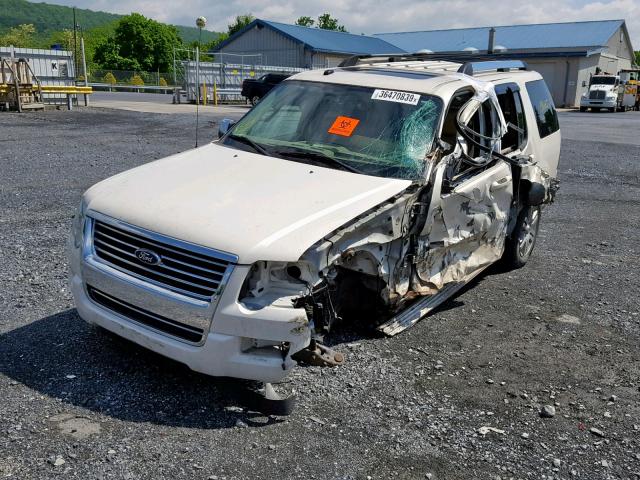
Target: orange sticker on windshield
x=344, y=126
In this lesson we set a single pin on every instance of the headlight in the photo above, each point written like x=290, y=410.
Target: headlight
x=77, y=227
x=273, y=280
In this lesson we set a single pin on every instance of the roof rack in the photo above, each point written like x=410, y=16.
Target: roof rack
x=471, y=62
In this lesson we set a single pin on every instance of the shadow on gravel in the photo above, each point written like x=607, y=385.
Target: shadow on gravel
x=63, y=357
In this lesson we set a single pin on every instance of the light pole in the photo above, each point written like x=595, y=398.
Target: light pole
x=200, y=23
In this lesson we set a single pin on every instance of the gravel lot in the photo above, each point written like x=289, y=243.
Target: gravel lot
x=563, y=331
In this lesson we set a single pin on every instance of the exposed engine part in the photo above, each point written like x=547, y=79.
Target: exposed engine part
x=319, y=307
x=319, y=355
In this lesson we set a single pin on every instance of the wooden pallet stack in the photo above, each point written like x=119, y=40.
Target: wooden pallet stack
x=20, y=89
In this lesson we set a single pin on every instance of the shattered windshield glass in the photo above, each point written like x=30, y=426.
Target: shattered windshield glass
x=385, y=133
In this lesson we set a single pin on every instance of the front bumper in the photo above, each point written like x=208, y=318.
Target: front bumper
x=588, y=103
x=238, y=342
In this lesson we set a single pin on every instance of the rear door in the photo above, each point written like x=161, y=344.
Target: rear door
x=541, y=112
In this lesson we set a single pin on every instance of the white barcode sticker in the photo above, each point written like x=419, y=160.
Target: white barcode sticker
x=395, y=96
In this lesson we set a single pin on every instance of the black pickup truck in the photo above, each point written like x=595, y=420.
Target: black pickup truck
x=254, y=90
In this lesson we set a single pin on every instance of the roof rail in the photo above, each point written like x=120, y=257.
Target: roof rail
x=471, y=62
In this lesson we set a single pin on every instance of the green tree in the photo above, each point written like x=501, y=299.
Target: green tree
x=239, y=23
x=20, y=36
x=637, y=58
x=94, y=37
x=108, y=56
x=63, y=37
x=327, y=22
x=305, y=21
x=138, y=43
x=213, y=44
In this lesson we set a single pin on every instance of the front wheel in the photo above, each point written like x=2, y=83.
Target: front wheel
x=254, y=100
x=583, y=109
x=520, y=245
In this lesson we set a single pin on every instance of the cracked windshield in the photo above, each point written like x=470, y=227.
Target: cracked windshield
x=385, y=133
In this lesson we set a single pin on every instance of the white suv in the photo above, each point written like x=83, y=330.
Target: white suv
x=370, y=192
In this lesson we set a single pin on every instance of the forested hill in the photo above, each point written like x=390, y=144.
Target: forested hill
x=49, y=19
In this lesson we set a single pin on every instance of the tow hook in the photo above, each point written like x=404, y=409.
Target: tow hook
x=319, y=355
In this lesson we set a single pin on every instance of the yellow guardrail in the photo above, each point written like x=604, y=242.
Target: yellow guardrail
x=63, y=89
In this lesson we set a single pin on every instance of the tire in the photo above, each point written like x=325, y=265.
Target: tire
x=519, y=246
x=583, y=109
x=254, y=100
x=612, y=110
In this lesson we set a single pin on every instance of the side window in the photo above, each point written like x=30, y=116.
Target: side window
x=481, y=122
x=449, y=132
x=511, y=106
x=545, y=111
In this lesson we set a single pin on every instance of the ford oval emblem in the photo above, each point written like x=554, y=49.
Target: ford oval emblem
x=148, y=257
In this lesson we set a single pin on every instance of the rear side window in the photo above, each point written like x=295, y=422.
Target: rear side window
x=546, y=115
x=511, y=105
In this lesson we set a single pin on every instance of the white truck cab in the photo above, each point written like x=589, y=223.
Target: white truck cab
x=370, y=192
x=605, y=91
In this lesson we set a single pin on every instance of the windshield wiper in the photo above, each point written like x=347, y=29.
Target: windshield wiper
x=317, y=157
x=247, y=141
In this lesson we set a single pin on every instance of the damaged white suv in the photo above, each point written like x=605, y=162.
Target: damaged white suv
x=369, y=192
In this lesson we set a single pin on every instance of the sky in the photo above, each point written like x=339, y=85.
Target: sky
x=378, y=16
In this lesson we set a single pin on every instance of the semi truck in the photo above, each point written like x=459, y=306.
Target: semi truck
x=613, y=92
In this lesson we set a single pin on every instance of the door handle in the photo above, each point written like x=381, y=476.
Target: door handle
x=501, y=183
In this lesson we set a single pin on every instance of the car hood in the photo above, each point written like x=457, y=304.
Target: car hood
x=253, y=206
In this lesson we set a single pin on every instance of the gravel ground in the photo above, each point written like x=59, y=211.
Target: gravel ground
x=562, y=332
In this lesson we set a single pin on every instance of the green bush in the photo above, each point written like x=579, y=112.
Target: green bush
x=109, y=78
x=136, y=80
x=162, y=82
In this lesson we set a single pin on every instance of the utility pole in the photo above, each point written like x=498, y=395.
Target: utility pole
x=175, y=79
x=200, y=23
x=84, y=71
x=75, y=44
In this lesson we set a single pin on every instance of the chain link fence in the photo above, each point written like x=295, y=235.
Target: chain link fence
x=216, y=75
x=133, y=79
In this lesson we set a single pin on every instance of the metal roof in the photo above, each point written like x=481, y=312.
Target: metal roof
x=517, y=37
x=319, y=40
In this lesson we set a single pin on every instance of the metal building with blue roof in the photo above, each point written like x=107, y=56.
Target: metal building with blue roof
x=285, y=45
x=566, y=54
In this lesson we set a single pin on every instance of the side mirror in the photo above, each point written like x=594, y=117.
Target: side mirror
x=225, y=126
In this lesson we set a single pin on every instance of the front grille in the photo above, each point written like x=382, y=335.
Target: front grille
x=145, y=317
x=597, y=95
x=179, y=269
